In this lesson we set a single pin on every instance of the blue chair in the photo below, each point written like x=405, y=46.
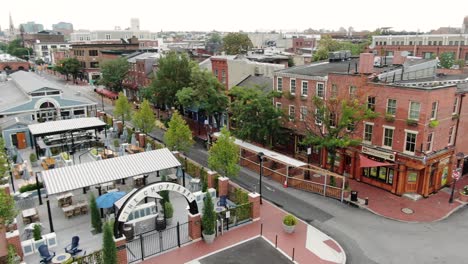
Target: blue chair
x=45, y=254
x=222, y=201
x=73, y=247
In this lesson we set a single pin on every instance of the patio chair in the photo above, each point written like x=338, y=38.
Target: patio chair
x=222, y=201
x=73, y=247
x=46, y=257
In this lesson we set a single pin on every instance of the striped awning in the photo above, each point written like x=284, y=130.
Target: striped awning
x=94, y=173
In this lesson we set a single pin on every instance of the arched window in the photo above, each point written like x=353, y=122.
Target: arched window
x=47, y=105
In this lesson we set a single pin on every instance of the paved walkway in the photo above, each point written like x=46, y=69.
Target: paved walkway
x=386, y=204
x=310, y=245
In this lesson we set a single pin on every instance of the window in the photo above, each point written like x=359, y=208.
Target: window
x=456, y=42
x=88, y=38
x=430, y=139
x=455, y=106
x=223, y=76
x=440, y=43
x=81, y=38
x=216, y=73
x=388, y=137
x=94, y=64
x=278, y=106
x=410, y=145
x=368, y=128
x=391, y=107
x=279, y=84
x=412, y=176
x=292, y=112
x=305, y=88
x=44, y=47
x=292, y=87
x=318, y=117
x=352, y=90
x=434, y=110
x=334, y=91
x=415, y=107
x=303, y=113
x=53, y=46
x=93, y=53
x=420, y=42
x=450, y=139
x=429, y=43
x=142, y=36
x=371, y=103
x=384, y=174
x=332, y=119
x=108, y=36
x=411, y=42
x=320, y=90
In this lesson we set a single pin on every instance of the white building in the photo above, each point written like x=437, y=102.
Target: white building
x=44, y=50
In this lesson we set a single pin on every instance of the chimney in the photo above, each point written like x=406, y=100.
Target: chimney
x=366, y=63
x=398, y=58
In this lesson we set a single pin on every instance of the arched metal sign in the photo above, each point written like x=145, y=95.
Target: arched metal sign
x=152, y=191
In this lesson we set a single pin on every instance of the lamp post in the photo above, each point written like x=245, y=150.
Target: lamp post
x=208, y=130
x=456, y=174
x=260, y=156
x=309, y=152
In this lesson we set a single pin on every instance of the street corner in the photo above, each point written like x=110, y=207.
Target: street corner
x=324, y=246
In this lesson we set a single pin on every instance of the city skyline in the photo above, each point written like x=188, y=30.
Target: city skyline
x=260, y=15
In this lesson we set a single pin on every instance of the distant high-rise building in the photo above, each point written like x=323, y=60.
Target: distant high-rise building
x=31, y=27
x=134, y=24
x=63, y=27
x=465, y=26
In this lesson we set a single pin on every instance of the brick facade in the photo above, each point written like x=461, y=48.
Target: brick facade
x=194, y=231
x=219, y=67
x=254, y=198
x=120, y=243
x=11, y=66
x=223, y=186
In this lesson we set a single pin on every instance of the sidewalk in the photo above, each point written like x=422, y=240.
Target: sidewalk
x=310, y=244
x=435, y=207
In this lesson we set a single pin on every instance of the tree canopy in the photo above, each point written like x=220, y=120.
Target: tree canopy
x=224, y=155
x=123, y=109
x=254, y=116
x=214, y=42
x=69, y=66
x=173, y=74
x=114, y=73
x=204, y=92
x=7, y=208
x=236, y=43
x=109, y=250
x=144, y=119
x=326, y=44
x=16, y=48
x=178, y=136
x=447, y=60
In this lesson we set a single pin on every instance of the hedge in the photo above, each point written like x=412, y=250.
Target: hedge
x=30, y=187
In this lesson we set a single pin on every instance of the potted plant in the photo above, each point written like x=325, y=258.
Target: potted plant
x=464, y=194
x=169, y=212
x=434, y=123
x=33, y=159
x=289, y=223
x=389, y=117
x=38, y=239
x=208, y=220
x=411, y=122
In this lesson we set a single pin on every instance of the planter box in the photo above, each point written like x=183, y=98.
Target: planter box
x=31, y=246
x=209, y=238
x=289, y=229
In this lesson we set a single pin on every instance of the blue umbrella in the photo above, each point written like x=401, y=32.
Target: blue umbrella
x=107, y=200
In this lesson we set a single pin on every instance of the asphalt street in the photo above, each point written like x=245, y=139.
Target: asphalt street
x=365, y=237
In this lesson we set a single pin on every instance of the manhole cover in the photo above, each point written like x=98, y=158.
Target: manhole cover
x=407, y=210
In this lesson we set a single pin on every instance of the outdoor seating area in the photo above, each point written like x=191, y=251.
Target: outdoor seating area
x=132, y=149
x=48, y=163
x=30, y=216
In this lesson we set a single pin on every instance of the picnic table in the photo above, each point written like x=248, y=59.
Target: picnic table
x=76, y=209
x=30, y=215
x=48, y=163
x=132, y=149
x=107, y=153
x=65, y=199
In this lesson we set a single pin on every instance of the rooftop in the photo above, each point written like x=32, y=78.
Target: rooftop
x=264, y=82
x=65, y=125
x=322, y=68
x=30, y=82
x=132, y=58
x=7, y=58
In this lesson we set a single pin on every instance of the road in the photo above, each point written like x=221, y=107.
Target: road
x=365, y=237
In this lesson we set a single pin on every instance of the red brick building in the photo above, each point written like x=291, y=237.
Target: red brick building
x=143, y=65
x=409, y=147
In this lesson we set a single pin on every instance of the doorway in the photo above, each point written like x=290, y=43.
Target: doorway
x=21, y=140
x=412, y=179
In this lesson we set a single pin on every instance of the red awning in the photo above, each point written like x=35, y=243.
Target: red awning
x=107, y=93
x=367, y=163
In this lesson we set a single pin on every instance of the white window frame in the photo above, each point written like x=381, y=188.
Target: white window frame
x=455, y=106
x=292, y=114
x=451, y=135
x=409, y=110
x=279, y=84
x=319, y=121
x=407, y=131
x=364, y=132
x=434, y=111
x=306, y=88
x=291, y=86
x=303, y=113
x=334, y=90
x=386, y=109
x=383, y=136
x=430, y=143
x=317, y=89
x=108, y=36
x=279, y=105
x=353, y=93
x=375, y=102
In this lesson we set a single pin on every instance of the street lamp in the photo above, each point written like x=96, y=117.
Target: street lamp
x=260, y=156
x=309, y=152
x=207, y=126
x=457, y=173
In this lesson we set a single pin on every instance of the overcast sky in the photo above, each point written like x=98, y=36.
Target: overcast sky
x=246, y=15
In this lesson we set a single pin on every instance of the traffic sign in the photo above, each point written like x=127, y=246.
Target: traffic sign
x=456, y=174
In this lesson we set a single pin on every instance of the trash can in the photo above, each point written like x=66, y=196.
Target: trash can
x=128, y=232
x=354, y=195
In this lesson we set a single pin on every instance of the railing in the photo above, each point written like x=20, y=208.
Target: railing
x=237, y=215
x=93, y=258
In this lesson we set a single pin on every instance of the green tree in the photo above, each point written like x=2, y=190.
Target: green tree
x=214, y=42
x=39, y=61
x=291, y=62
x=333, y=123
x=123, y=109
x=173, y=74
x=144, y=119
x=95, y=215
x=114, y=73
x=209, y=216
x=109, y=249
x=254, y=116
x=178, y=136
x=224, y=155
x=16, y=48
x=236, y=43
x=447, y=60
x=206, y=93
x=7, y=208
x=69, y=66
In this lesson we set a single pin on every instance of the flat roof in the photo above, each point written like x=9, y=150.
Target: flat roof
x=59, y=126
x=269, y=153
x=97, y=172
x=30, y=82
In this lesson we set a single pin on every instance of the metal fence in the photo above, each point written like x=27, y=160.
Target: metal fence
x=237, y=215
x=154, y=242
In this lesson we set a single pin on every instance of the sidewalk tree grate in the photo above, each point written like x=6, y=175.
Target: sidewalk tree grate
x=407, y=210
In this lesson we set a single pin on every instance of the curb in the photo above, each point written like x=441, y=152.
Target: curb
x=462, y=204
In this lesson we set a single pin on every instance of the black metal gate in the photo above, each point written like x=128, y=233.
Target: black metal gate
x=154, y=242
